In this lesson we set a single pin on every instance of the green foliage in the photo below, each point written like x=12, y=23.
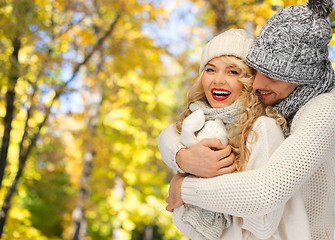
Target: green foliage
x=47, y=201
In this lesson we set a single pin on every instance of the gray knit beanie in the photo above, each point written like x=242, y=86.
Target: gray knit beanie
x=292, y=46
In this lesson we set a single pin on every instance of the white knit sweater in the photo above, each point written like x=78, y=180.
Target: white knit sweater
x=273, y=225
x=305, y=160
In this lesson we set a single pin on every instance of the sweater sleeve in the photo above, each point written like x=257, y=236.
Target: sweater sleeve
x=269, y=137
x=169, y=144
x=261, y=226
x=260, y=191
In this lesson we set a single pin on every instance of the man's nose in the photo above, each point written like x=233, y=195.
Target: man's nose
x=259, y=81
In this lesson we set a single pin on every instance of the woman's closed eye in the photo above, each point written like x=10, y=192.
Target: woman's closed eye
x=232, y=69
x=234, y=72
x=209, y=70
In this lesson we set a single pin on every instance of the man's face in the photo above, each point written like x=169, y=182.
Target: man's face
x=272, y=91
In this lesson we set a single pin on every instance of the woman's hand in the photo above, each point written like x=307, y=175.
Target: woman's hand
x=174, y=199
x=208, y=158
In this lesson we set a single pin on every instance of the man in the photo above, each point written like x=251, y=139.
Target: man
x=295, y=76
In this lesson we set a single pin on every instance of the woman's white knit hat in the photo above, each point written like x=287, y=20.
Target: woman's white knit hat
x=235, y=42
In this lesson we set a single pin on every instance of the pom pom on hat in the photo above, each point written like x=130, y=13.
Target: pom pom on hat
x=320, y=8
x=234, y=42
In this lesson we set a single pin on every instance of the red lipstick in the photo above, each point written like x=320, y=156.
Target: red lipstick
x=220, y=94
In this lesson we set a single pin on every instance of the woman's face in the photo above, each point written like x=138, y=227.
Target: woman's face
x=220, y=83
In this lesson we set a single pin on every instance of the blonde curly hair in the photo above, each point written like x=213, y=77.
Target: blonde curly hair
x=238, y=131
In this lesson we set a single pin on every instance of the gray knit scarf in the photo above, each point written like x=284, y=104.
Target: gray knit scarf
x=289, y=106
x=207, y=223
x=211, y=224
x=228, y=114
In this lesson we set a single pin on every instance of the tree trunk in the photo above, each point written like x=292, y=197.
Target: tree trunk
x=221, y=20
x=10, y=97
x=148, y=233
x=79, y=223
x=119, y=190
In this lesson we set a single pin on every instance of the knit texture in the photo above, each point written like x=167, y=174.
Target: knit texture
x=300, y=96
x=305, y=160
x=292, y=218
x=207, y=122
x=234, y=42
x=292, y=46
x=209, y=224
x=228, y=114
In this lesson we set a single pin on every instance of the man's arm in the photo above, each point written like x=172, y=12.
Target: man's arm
x=202, y=161
x=261, y=191
x=208, y=158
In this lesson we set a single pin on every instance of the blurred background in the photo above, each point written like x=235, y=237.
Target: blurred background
x=86, y=86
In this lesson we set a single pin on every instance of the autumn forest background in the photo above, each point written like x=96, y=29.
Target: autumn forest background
x=86, y=86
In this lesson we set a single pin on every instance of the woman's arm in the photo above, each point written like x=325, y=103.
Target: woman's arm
x=169, y=144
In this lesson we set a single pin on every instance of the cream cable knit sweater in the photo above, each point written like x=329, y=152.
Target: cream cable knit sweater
x=305, y=160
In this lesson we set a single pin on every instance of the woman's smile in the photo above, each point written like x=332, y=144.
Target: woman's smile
x=220, y=94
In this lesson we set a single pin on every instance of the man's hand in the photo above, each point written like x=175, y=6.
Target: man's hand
x=174, y=199
x=208, y=158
